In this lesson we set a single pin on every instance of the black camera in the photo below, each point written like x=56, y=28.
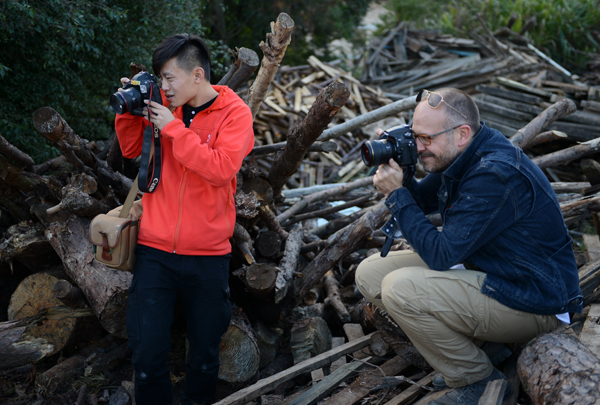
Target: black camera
x=142, y=86
x=396, y=143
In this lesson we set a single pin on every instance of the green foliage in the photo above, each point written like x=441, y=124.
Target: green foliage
x=563, y=29
x=69, y=55
x=317, y=22
x=422, y=14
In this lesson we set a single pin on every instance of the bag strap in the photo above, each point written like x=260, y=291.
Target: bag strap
x=130, y=198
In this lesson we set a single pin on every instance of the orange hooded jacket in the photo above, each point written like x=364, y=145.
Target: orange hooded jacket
x=192, y=211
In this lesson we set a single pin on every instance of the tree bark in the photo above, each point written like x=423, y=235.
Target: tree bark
x=558, y=369
x=106, y=290
x=556, y=111
x=288, y=264
x=304, y=133
x=567, y=155
x=342, y=243
x=20, y=159
x=245, y=64
x=274, y=50
x=333, y=297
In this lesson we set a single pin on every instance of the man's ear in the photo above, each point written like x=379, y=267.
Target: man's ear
x=464, y=135
x=198, y=74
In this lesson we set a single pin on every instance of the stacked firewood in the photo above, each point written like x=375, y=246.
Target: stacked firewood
x=307, y=214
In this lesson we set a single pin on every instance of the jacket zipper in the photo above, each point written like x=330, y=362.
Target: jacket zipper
x=227, y=210
x=180, y=209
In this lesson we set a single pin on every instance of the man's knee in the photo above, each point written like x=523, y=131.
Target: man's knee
x=401, y=286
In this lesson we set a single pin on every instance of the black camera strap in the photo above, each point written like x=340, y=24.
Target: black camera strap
x=148, y=179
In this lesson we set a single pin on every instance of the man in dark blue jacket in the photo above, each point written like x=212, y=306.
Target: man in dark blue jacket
x=502, y=268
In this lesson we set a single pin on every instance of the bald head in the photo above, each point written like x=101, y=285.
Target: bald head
x=461, y=103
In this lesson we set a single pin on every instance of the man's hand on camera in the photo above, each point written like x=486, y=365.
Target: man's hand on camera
x=124, y=81
x=388, y=177
x=160, y=115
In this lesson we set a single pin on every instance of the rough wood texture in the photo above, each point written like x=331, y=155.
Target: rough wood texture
x=309, y=337
x=245, y=64
x=274, y=50
x=239, y=350
x=535, y=127
x=17, y=347
x=362, y=386
x=21, y=159
x=305, y=133
x=333, y=297
x=558, y=369
x=106, y=290
x=288, y=263
x=341, y=244
x=590, y=333
x=267, y=384
x=569, y=154
x=50, y=380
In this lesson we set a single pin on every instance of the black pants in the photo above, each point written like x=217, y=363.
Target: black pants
x=202, y=282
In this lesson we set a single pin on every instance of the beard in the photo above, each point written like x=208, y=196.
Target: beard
x=437, y=163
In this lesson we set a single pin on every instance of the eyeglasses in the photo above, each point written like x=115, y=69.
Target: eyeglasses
x=434, y=100
x=426, y=139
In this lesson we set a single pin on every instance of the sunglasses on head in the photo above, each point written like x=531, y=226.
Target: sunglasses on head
x=434, y=100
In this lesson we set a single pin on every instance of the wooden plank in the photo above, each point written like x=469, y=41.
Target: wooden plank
x=592, y=243
x=591, y=105
x=327, y=384
x=354, y=331
x=500, y=110
x=494, y=392
x=362, y=386
x=267, y=384
x=590, y=333
x=431, y=397
x=409, y=395
x=510, y=94
x=522, y=87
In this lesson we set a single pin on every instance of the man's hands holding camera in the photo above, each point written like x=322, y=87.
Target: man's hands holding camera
x=160, y=115
x=388, y=177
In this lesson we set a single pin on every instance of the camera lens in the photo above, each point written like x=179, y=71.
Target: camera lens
x=376, y=152
x=126, y=100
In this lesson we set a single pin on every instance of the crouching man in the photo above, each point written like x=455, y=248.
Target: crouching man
x=502, y=268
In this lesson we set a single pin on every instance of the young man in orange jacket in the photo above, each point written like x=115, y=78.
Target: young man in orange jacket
x=183, y=244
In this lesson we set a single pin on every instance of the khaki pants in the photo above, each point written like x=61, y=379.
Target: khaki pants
x=443, y=312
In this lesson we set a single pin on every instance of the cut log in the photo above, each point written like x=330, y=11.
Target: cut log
x=106, y=290
x=238, y=354
x=273, y=49
x=50, y=380
x=244, y=242
x=33, y=295
x=268, y=343
x=288, y=263
x=243, y=68
x=17, y=347
x=68, y=294
x=354, y=331
x=20, y=159
x=564, y=156
x=27, y=244
x=558, y=369
x=309, y=338
x=260, y=280
x=305, y=132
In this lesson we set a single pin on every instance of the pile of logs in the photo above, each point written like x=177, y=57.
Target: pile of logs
x=307, y=214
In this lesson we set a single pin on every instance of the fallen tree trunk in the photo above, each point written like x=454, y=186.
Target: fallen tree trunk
x=558, y=369
x=245, y=64
x=304, y=133
x=106, y=290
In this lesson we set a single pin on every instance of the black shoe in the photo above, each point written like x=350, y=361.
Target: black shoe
x=470, y=394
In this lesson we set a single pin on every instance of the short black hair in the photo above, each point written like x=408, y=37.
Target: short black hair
x=189, y=50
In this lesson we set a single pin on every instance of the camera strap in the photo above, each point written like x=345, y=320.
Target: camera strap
x=150, y=165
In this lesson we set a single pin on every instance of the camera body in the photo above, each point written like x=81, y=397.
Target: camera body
x=142, y=86
x=396, y=143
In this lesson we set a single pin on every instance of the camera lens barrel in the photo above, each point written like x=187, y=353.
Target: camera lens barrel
x=126, y=100
x=374, y=153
